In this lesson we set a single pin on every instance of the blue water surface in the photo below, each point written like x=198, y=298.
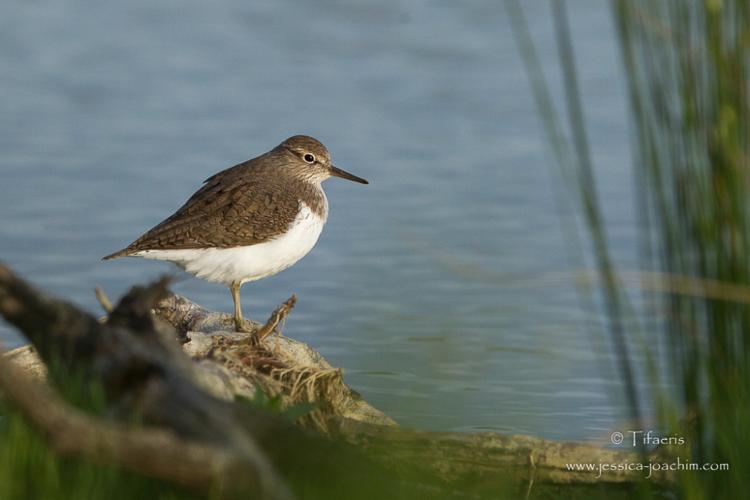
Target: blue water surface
x=443, y=289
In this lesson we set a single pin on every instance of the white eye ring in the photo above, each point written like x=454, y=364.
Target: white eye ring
x=309, y=158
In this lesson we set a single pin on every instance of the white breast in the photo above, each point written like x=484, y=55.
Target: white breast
x=249, y=263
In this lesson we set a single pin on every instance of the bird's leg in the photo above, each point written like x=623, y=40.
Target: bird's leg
x=239, y=322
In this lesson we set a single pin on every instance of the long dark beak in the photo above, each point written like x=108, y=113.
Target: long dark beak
x=346, y=175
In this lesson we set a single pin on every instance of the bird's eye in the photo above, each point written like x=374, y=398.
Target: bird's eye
x=309, y=158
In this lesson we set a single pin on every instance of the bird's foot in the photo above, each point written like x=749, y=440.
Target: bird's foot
x=243, y=326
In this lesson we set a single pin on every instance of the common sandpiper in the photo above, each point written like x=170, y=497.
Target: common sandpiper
x=249, y=221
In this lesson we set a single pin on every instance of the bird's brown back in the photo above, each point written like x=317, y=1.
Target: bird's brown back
x=247, y=204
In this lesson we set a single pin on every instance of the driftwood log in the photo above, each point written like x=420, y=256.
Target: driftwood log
x=237, y=364
x=189, y=404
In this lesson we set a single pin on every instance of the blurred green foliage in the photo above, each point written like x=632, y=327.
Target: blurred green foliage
x=687, y=66
x=688, y=73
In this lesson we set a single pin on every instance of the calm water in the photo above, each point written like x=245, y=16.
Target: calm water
x=427, y=286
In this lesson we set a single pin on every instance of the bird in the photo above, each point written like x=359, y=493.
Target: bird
x=248, y=222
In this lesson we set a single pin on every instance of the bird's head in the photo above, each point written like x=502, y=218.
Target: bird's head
x=310, y=159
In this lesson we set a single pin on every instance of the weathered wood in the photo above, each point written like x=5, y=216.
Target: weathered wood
x=27, y=359
x=483, y=455
x=280, y=365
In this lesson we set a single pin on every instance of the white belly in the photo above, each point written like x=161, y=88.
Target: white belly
x=248, y=263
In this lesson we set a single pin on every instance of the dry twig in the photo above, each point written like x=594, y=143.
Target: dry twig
x=104, y=301
x=277, y=317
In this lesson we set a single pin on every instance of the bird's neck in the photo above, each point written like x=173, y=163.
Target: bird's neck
x=311, y=194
